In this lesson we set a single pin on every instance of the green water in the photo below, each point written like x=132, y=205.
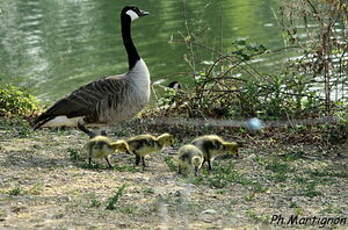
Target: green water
x=55, y=46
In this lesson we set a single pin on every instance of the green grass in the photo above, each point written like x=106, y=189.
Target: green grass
x=73, y=154
x=148, y=190
x=36, y=189
x=257, y=218
x=277, y=166
x=128, y=209
x=170, y=163
x=125, y=168
x=113, y=200
x=15, y=191
x=294, y=155
x=309, y=190
x=94, y=201
x=118, y=168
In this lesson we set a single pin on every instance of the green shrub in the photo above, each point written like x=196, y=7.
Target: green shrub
x=230, y=87
x=16, y=101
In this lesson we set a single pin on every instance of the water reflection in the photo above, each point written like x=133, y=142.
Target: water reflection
x=54, y=46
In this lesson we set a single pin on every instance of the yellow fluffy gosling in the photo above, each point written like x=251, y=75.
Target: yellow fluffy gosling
x=190, y=157
x=145, y=144
x=102, y=147
x=213, y=145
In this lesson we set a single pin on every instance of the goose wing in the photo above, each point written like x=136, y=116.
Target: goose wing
x=85, y=100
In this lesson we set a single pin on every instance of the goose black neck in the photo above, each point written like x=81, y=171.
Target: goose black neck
x=132, y=52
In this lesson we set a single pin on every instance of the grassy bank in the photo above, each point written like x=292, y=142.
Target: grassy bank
x=43, y=185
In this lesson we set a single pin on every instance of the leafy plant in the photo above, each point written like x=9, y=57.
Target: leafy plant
x=16, y=101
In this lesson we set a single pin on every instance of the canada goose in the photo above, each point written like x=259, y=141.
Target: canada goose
x=145, y=144
x=108, y=100
x=190, y=157
x=213, y=145
x=102, y=147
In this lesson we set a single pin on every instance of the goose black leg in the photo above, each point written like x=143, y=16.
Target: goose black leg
x=81, y=127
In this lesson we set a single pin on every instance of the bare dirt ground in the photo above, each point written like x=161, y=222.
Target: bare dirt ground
x=44, y=186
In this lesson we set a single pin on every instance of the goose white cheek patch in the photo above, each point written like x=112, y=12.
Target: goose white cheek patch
x=132, y=14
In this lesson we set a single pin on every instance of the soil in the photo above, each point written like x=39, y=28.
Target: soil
x=44, y=184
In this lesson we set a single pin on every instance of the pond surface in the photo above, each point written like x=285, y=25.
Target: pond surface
x=55, y=46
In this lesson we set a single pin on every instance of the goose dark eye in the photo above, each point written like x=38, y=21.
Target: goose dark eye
x=136, y=10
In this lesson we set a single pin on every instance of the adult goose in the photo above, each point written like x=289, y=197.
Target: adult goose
x=108, y=100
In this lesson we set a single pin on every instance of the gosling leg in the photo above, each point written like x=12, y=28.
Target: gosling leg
x=103, y=133
x=203, y=162
x=196, y=171
x=209, y=165
x=107, y=160
x=143, y=160
x=137, y=160
x=89, y=161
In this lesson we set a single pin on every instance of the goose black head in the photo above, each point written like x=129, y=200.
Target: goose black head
x=133, y=12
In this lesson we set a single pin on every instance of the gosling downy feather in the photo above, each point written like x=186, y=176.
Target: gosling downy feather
x=102, y=147
x=190, y=157
x=145, y=144
x=108, y=100
x=213, y=145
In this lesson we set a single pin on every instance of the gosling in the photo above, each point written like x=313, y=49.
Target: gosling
x=212, y=146
x=190, y=157
x=102, y=147
x=145, y=144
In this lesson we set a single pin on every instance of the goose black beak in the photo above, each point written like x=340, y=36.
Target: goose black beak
x=144, y=13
